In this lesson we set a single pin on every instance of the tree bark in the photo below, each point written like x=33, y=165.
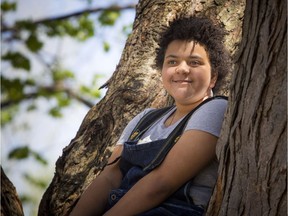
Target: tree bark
x=134, y=86
x=253, y=145
x=10, y=203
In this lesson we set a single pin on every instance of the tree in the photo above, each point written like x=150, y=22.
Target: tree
x=253, y=146
x=133, y=86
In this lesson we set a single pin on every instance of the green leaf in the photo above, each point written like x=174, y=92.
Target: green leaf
x=26, y=24
x=19, y=153
x=81, y=28
x=95, y=79
x=55, y=112
x=92, y=92
x=7, y=6
x=8, y=114
x=59, y=75
x=109, y=17
x=68, y=28
x=6, y=117
x=106, y=46
x=39, y=158
x=36, y=181
x=26, y=198
x=24, y=152
x=63, y=99
x=85, y=89
x=17, y=60
x=33, y=43
x=31, y=107
x=44, y=92
x=85, y=28
x=12, y=89
x=127, y=29
x=30, y=82
x=54, y=28
x=95, y=93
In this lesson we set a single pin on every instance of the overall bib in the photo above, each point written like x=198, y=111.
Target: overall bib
x=140, y=156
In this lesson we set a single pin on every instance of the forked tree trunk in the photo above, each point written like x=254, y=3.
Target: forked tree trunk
x=253, y=145
x=134, y=86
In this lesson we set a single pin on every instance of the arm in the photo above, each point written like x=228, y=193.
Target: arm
x=94, y=199
x=194, y=150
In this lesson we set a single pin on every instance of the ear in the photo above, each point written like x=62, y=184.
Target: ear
x=213, y=81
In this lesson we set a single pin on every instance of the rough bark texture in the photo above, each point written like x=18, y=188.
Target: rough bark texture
x=10, y=203
x=253, y=146
x=134, y=86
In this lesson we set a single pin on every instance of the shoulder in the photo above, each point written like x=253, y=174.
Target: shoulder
x=217, y=104
x=209, y=117
x=143, y=113
x=131, y=125
x=138, y=117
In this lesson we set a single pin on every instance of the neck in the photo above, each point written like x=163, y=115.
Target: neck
x=182, y=110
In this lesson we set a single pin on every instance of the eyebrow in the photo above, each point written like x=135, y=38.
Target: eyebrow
x=190, y=57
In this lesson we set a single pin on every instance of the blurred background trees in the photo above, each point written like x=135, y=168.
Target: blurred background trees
x=51, y=70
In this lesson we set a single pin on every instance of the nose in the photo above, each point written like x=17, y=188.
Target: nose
x=182, y=68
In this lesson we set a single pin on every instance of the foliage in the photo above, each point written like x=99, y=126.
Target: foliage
x=23, y=46
x=62, y=83
x=24, y=152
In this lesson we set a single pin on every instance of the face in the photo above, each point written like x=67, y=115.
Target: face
x=186, y=72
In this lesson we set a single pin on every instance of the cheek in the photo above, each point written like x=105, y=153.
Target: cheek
x=166, y=74
x=203, y=77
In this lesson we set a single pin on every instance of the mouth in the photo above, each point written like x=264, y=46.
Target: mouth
x=182, y=81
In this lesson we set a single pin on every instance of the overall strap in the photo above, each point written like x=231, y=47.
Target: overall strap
x=174, y=136
x=146, y=122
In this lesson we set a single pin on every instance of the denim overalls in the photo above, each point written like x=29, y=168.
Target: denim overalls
x=140, y=156
x=137, y=160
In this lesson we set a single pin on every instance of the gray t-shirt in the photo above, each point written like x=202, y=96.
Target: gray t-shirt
x=208, y=118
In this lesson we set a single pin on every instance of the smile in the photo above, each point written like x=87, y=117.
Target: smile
x=182, y=81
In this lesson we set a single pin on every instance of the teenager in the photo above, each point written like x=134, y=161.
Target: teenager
x=192, y=60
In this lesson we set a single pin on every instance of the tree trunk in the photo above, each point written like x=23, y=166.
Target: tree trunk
x=10, y=203
x=253, y=152
x=134, y=86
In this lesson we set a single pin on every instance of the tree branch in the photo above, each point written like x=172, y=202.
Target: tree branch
x=80, y=99
x=68, y=16
x=71, y=94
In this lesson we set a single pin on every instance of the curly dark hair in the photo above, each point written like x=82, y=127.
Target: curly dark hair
x=204, y=32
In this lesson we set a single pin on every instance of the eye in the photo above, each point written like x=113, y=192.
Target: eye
x=171, y=62
x=194, y=63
